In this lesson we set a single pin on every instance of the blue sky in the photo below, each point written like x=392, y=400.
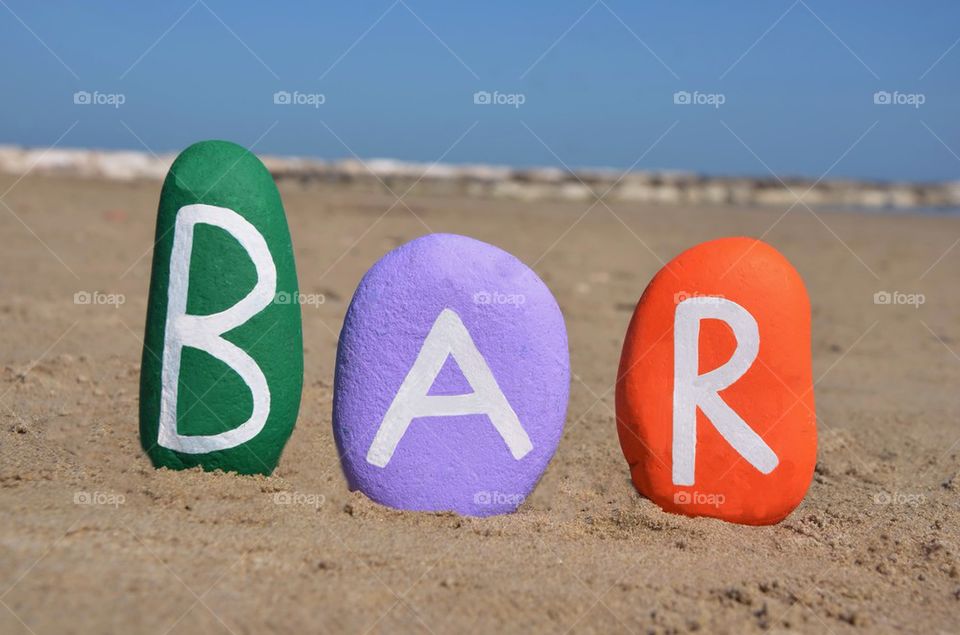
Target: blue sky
x=597, y=80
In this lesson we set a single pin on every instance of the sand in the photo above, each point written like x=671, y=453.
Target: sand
x=93, y=539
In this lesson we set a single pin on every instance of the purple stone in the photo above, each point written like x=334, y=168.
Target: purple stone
x=476, y=346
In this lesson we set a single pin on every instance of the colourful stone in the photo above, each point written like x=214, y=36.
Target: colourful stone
x=715, y=405
x=222, y=366
x=452, y=379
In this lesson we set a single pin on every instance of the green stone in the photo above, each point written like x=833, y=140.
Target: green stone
x=222, y=367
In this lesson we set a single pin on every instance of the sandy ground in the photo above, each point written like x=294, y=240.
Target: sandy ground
x=93, y=539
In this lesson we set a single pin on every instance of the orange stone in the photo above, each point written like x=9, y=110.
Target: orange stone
x=715, y=407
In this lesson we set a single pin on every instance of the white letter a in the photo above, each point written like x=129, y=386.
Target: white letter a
x=447, y=337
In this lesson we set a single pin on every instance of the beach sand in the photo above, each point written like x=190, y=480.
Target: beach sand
x=94, y=539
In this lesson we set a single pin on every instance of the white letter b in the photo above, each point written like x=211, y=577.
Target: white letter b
x=204, y=332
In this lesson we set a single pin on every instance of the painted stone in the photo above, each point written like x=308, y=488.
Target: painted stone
x=452, y=379
x=222, y=366
x=715, y=405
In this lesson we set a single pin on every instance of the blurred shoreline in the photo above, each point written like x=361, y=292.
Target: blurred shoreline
x=526, y=184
